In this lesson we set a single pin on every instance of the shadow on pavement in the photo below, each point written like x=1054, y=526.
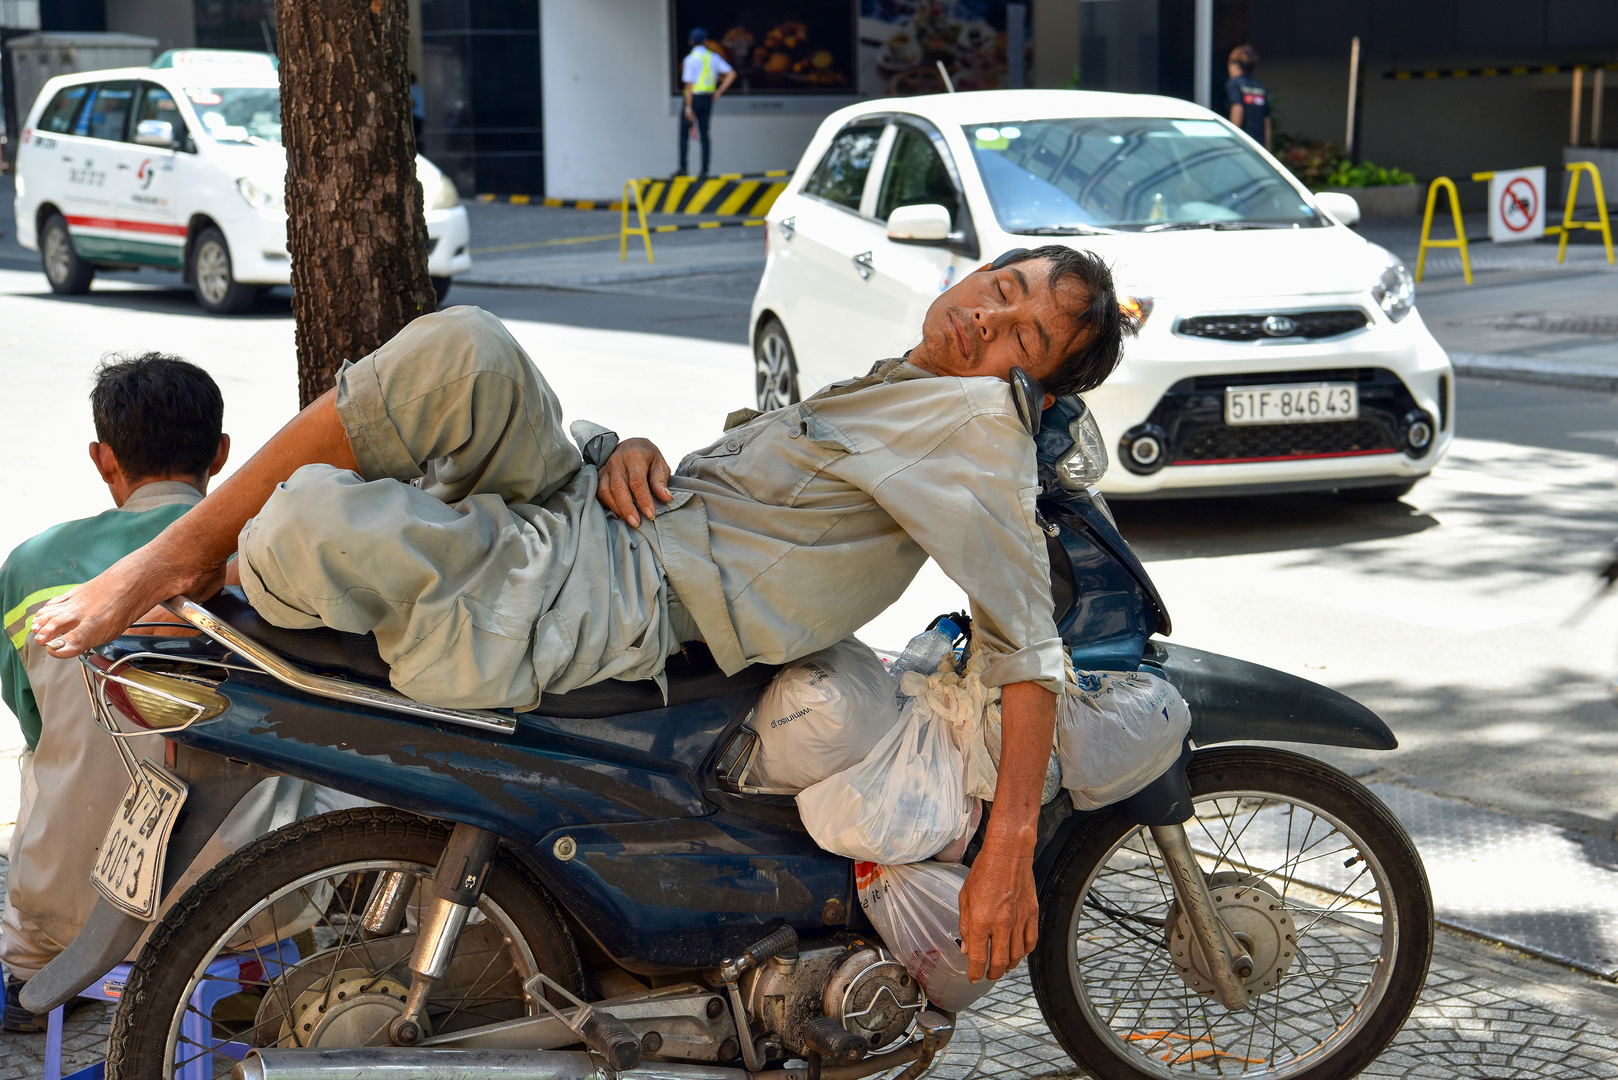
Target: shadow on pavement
x=177, y=300
x=1194, y=528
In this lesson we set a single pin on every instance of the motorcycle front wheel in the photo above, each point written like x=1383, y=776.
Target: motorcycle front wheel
x=267, y=949
x=1310, y=871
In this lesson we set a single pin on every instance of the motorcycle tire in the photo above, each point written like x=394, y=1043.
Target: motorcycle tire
x=1123, y=1010
x=148, y=1040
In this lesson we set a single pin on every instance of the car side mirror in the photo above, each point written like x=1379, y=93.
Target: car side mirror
x=925, y=223
x=1342, y=206
x=155, y=133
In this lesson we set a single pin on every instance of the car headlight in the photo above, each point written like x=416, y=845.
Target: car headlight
x=1086, y=463
x=1395, y=291
x=447, y=196
x=1135, y=309
x=260, y=198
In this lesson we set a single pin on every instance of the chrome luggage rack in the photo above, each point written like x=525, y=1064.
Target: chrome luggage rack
x=270, y=663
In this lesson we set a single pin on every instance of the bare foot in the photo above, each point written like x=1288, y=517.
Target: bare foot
x=104, y=607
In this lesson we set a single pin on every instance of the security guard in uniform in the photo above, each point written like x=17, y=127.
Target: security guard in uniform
x=706, y=76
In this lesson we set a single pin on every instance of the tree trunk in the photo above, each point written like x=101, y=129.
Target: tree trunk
x=356, y=228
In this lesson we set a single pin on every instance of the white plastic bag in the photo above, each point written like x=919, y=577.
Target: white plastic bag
x=821, y=715
x=1116, y=731
x=902, y=804
x=917, y=910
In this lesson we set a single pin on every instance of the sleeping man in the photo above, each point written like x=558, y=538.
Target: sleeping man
x=433, y=499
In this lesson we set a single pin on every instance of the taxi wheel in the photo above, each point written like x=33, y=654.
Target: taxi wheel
x=216, y=287
x=775, y=367
x=68, y=274
x=441, y=288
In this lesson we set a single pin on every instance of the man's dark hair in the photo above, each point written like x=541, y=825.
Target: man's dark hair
x=161, y=415
x=1088, y=368
x=1245, y=57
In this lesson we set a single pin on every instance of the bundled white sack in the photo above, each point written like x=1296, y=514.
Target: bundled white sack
x=820, y=715
x=917, y=910
x=1117, y=731
x=902, y=804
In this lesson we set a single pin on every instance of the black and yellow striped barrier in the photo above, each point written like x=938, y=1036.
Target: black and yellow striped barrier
x=726, y=195
x=567, y=204
x=1493, y=72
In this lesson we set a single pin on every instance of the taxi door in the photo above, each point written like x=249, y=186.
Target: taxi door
x=153, y=231
x=99, y=172
x=43, y=160
x=907, y=277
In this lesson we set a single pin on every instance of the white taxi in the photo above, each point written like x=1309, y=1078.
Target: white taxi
x=1280, y=352
x=180, y=166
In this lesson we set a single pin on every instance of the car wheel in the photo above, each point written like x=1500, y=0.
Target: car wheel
x=441, y=288
x=1384, y=494
x=68, y=274
x=212, y=278
x=775, y=367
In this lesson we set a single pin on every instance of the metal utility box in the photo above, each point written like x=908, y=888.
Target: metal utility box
x=36, y=58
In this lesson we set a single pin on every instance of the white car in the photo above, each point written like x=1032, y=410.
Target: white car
x=1281, y=351
x=180, y=166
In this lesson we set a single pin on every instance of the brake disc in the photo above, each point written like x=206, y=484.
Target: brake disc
x=1253, y=912
x=347, y=1008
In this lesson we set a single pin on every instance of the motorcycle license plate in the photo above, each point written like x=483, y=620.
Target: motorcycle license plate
x=1292, y=403
x=130, y=869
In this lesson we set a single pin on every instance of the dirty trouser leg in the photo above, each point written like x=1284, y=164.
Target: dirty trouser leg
x=500, y=575
x=24, y=948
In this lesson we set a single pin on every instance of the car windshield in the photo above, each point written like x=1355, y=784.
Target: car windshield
x=1094, y=174
x=239, y=114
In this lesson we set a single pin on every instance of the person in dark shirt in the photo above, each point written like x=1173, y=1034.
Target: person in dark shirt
x=1249, y=101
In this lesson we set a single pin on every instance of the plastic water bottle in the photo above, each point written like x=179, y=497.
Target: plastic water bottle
x=926, y=650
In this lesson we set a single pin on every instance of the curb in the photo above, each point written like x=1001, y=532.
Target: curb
x=616, y=277
x=1538, y=369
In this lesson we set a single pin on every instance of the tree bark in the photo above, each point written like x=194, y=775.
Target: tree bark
x=356, y=228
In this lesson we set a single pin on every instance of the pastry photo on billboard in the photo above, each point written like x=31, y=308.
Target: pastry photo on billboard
x=902, y=42
x=776, y=46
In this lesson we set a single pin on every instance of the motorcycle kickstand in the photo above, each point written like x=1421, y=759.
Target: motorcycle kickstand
x=1228, y=963
x=456, y=887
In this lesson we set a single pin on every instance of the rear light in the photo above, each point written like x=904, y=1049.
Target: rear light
x=152, y=701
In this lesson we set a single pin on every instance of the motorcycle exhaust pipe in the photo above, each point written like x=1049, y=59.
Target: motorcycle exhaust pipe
x=406, y=1063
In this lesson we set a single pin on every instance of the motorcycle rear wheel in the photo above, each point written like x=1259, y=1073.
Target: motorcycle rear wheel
x=319, y=872
x=1329, y=856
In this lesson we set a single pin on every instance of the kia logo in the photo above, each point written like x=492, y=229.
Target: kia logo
x=1279, y=326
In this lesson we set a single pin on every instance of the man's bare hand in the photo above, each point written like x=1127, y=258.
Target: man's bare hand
x=999, y=913
x=633, y=474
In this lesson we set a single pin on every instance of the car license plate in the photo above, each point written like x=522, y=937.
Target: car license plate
x=1292, y=403
x=130, y=870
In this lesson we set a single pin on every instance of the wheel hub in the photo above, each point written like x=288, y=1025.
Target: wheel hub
x=1255, y=915
x=348, y=1009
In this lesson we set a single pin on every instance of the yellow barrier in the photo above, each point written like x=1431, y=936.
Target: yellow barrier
x=632, y=191
x=1575, y=169
x=1448, y=185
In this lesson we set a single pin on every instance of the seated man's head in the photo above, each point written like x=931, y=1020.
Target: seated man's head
x=1051, y=311
x=157, y=418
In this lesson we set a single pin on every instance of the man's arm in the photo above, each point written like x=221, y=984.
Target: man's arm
x=1236, y=114
x=690, y=117
x=1267, y=133
x=999, y=902
x=635, y=472
x=724, y=83
x=189, y=556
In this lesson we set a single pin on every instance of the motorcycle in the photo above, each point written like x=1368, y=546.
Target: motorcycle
x=590, y=889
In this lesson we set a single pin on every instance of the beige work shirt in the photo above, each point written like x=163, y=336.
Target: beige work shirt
x=800, y=526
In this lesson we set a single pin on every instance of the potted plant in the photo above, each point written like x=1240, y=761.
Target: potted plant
x=1321, y=164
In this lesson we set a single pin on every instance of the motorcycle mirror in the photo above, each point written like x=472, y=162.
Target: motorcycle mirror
x=1029, y=397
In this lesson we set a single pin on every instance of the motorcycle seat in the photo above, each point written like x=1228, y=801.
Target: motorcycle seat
x=691, y=673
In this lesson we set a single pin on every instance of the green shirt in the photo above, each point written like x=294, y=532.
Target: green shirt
x=65, y=556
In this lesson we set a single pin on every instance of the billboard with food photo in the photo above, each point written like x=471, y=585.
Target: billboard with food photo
x=776, y=46
x=902, y=42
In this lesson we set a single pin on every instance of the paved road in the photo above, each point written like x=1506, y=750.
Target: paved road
x=1443, y=612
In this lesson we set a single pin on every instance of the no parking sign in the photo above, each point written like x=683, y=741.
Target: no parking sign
x=1517, y=205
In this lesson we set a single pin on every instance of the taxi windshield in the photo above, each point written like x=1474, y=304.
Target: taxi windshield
x=1098, y=174
x=239, y=114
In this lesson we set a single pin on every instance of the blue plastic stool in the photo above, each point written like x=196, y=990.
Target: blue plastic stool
x=196, y=1031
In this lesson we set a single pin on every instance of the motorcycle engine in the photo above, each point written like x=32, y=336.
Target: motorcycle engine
x=860, y=986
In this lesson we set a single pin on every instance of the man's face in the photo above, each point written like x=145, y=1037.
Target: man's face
x=994, y=320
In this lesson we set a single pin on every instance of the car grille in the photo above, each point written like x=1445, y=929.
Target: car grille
x=1270, y=442
x=1305, y=324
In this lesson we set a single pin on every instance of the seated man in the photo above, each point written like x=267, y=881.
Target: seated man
x=430, y=499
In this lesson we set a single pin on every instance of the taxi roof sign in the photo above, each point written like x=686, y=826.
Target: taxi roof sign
x=216, y=58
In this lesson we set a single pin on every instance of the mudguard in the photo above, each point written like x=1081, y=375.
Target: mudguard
x=217, y=785
x=1234, y=700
